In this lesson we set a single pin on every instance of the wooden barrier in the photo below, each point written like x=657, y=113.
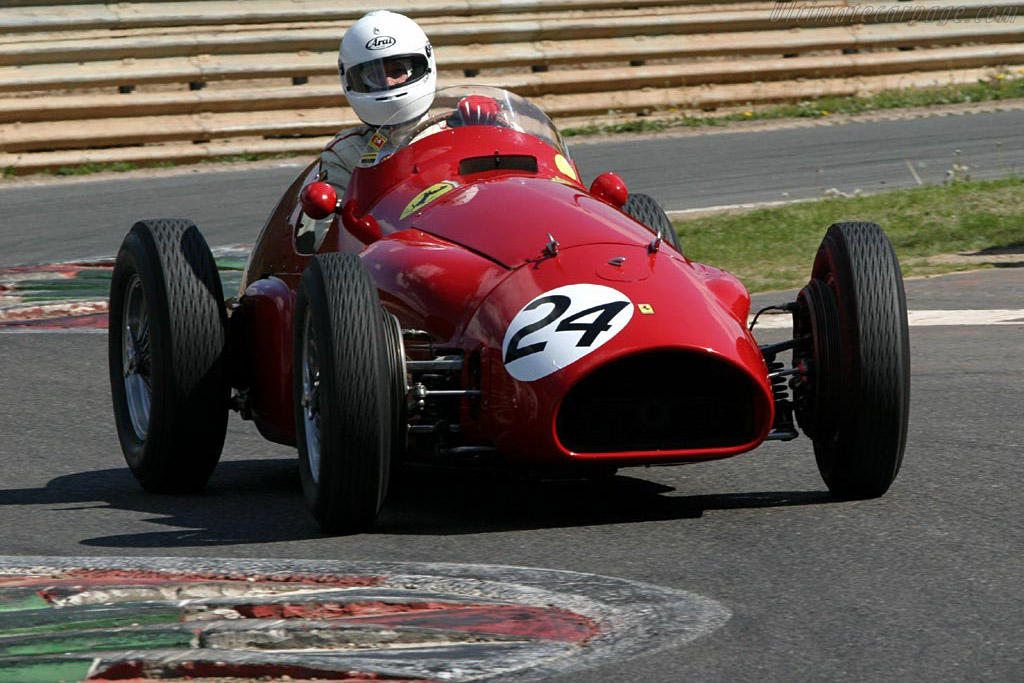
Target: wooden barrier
x=73, y=16
x=217, y=73
x=210, y=68
x=56, y=110
x=557, y=105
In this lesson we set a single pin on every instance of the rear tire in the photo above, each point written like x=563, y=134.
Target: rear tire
x=860, y=449
x=167, y=343
x=646, y=209
x=342, y=391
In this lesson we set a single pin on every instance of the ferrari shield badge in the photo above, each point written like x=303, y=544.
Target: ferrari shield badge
x=561, y=326
x=428, y=195
x=565, y=167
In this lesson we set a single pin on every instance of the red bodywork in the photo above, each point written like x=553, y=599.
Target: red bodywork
x=461, y=266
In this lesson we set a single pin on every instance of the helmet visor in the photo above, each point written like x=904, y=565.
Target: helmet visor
x=381, y=75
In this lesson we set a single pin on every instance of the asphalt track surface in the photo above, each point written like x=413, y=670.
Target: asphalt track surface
x=920, y=585
x=88, y=218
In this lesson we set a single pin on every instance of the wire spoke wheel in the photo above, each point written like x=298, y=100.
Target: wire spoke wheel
x=311, y=396
x=342, y=390
x=135, y=354
x=167, y=345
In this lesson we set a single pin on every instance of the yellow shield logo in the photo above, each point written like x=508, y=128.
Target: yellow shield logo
x=428, y=195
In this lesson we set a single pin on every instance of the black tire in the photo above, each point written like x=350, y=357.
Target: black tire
x=344, y=452
x=177, y=358
x=645, y=209
x=395, y=351
x=817, y=394
x=860, y=452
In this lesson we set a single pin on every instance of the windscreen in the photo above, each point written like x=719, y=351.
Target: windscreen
x=460, y=106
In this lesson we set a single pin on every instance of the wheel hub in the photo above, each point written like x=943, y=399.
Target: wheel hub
x=311, y=396
x=135, y=353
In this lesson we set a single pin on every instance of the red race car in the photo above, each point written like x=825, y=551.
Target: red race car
x=469, y=300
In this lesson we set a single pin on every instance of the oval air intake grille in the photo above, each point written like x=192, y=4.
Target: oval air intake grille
x=663, y=400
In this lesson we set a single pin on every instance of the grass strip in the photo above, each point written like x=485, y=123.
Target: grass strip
x=1000, y=87
x=773, y=248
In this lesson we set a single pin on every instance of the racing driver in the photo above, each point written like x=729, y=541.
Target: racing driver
x=385, y=61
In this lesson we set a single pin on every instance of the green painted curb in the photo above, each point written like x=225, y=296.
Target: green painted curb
x=72, y=619
x=54, y=671
x=20, y=600
x=91, y=641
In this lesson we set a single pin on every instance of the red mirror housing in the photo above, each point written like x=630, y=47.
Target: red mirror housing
x=364, y=228
x=611, y=188
x=319, y=200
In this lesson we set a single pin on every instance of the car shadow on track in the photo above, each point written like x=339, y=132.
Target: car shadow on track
x=260, y=501
x=249, y=501
x=457, y=502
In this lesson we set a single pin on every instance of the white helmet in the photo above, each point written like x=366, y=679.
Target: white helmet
x=386, y=61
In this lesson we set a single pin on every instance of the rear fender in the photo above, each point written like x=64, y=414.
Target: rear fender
x=267, y=317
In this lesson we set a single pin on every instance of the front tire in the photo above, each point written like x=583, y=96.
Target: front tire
x=859, y=446
x=167, y=344
x=395, y=352
x=342, y=394
x=646, y=209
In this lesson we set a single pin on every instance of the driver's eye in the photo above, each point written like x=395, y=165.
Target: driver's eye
x=396, y=70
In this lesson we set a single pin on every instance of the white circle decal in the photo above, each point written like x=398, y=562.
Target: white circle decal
x=561, y=326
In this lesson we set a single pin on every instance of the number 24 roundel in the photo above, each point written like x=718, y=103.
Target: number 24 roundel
x=561, y=326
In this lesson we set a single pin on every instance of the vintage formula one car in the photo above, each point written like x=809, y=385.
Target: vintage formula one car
x=468, y=299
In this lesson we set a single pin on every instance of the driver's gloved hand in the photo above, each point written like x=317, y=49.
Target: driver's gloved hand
x=479, y=110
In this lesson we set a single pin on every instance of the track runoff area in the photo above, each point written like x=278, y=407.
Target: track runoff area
x=72, y=297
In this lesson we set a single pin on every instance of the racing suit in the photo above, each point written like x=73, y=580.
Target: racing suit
x=341, y=156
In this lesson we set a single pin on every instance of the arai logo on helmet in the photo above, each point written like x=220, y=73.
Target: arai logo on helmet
x=380, y=42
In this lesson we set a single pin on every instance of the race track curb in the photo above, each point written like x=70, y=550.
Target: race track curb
x=390, y=621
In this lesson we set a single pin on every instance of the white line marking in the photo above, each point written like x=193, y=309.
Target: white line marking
x=995, y=316
x=702, y=211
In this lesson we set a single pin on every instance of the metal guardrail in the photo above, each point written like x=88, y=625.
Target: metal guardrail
x=60, y=105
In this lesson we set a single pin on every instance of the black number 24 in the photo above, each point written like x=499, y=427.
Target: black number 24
x=559, y=305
